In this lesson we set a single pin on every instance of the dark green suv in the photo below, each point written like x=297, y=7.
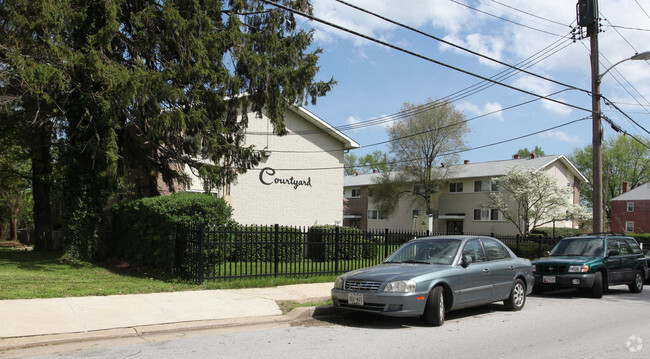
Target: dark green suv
x=592, y=262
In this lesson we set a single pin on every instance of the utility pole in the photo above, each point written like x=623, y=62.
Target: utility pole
x=587, y=12
x=597, y=140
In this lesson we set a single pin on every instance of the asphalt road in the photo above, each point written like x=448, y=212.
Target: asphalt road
x=565, y=325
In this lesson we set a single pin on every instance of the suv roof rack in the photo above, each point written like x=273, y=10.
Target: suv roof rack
x=604, y=234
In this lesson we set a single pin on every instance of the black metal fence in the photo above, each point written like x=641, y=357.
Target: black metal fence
x=214, y=253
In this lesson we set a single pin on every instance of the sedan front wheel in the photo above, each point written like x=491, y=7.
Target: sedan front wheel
x=434, y=313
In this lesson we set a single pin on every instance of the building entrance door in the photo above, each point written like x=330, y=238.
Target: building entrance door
x=454, y=227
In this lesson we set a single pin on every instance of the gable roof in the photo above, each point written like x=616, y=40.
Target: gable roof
x=348, y=143
x=482, y=169
x=641, y=192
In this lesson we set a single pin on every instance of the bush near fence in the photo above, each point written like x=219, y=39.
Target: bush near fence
x=546, y=232
x=143, y=229
x=258, y=244
x=352, y=243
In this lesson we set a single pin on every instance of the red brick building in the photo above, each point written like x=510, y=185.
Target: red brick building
x=631, y=210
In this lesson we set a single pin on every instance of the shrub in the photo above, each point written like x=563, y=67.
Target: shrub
x=547, y=232
x=257, y=244
x=143, y=229
x=352, y=244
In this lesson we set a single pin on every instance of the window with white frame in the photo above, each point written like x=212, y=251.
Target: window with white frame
x=375, y=214
x=630, y=206
x=455, y=187
x=485, y=186
x=355, y=193
x=486, y=214
x=629, y=226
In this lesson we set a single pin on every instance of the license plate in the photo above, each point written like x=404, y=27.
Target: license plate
x=355, y=299
x=548, y=279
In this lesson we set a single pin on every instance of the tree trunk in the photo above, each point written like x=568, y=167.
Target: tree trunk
x=13, y=225
x=41, y=173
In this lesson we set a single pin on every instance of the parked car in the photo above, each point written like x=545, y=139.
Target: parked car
x=592, y=263
x=430, y=276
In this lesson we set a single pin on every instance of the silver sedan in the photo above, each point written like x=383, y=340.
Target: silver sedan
x=431, y=276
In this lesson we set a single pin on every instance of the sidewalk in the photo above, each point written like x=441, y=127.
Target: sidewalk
x=24, y=319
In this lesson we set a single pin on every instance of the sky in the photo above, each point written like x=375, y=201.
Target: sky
x=374, y=80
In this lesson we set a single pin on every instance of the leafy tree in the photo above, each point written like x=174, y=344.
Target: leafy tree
x=15, y=196
x=428, y=134
x=624, y=159
x=377, y=160
x=529, y=199
x=524, y=152
x=140, y=90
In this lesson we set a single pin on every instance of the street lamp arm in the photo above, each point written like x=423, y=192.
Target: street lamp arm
x=642, y=56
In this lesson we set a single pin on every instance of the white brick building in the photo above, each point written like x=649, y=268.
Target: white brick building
x=300, y=180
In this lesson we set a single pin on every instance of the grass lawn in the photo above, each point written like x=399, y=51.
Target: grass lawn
x=27, y=274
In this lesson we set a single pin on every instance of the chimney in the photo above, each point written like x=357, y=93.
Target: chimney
x=626, y=186
x=442, y=164
x=466, y=162
x=533, y=155
x=516, y=156
x=375, y=171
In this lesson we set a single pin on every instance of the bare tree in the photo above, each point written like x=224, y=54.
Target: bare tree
x=427, y=135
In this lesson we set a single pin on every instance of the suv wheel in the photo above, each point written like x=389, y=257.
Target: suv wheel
x=597, y=289
x=637, y=285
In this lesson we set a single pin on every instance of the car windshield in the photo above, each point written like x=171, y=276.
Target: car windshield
x=435, y=251
x=592, y=247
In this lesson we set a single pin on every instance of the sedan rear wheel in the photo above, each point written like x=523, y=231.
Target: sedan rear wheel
x=637, y=285
x=517, y=297
x=434, y=313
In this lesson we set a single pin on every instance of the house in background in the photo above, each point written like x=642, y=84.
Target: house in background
x=300, y=179
x=460, y=203
x=631, y=210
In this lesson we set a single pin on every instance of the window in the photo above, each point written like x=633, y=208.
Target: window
x=494, y=250
x=474, y=249
x=356, y=193
x=624, y=247
x=355, y=223
x=485, y=186
x=629, y=226
x=418, y=190
x=416, y=213
x=634, y=245
x=630, y=206
x=375, y=214
x=455, y=187
x=486, y=214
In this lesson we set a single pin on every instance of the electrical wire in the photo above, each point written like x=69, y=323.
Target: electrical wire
x=395, y=47
x=444, y=154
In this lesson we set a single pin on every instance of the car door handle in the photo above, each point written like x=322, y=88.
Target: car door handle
x=486, y=270
x=512, y=267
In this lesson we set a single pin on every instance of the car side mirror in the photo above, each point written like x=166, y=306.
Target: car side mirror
x=547, y=253
x=465, y=261
x=613, y=252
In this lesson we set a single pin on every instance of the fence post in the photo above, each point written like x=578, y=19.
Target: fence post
x=276, y=257
x=201, y=253
x=539, y=247
x=385, y=242
x=336, y=250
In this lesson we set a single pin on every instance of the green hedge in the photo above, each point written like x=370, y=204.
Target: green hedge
x=257, y=244
x=352, y=244
x=143, y=229
x=547, y=232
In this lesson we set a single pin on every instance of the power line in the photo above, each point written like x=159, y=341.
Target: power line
x=448, y=153
x=395, y=47
x=503, y=18
x=456, y=46
x=527, y=13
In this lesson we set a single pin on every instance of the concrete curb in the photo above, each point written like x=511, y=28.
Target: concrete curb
x=296, y=315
